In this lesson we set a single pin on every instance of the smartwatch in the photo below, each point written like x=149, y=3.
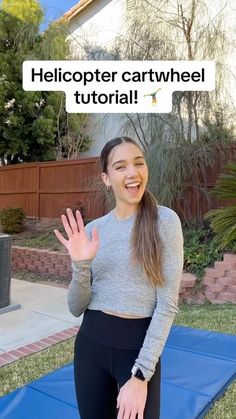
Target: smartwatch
x=137, y=372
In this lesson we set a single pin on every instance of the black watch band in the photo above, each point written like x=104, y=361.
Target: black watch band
x=138, y=374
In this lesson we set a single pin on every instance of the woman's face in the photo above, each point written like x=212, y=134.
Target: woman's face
x=126, y=165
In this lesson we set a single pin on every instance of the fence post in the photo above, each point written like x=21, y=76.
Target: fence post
x=38, y=193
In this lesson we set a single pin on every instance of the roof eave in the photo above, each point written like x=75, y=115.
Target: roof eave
x=74, y=11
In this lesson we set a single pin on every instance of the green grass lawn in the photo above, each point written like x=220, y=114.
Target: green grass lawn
x=217, y=317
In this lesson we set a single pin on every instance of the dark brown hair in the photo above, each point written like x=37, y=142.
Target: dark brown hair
x=145, y=240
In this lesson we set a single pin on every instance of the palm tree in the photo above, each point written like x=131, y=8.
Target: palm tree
x=224, y=220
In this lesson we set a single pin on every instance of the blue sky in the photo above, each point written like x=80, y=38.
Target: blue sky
x=53, y=9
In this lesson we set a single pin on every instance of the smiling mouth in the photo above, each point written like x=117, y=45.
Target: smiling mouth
x=133, y=190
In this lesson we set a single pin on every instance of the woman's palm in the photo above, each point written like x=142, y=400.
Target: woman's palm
x=78, y=244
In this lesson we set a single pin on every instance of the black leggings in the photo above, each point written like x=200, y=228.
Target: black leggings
x=105, y=350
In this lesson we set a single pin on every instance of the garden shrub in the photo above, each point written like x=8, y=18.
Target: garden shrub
x=12, y=220
x=202, y=248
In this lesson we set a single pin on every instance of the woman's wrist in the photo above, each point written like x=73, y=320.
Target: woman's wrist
x=77, y=265
x=133, y=378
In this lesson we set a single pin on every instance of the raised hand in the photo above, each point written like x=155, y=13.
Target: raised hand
x=78, y=244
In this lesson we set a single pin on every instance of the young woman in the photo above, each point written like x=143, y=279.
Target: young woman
x=126, y=273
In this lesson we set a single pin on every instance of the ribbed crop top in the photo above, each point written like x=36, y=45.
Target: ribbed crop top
x=109, y=282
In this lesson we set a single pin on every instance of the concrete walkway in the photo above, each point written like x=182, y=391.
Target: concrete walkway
x=42, y=320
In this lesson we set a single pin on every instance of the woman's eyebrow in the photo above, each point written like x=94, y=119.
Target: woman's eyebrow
x=122, y=161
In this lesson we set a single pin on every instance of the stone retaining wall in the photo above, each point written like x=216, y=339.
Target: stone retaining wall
x=41, y=261
x=218, y=284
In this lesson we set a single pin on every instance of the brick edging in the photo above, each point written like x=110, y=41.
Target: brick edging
x=37, y=346
x=40, y=261
x=218, y=285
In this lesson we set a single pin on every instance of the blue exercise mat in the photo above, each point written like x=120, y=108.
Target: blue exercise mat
x=197, y=367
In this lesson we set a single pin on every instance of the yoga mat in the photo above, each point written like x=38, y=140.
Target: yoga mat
x=197, y=367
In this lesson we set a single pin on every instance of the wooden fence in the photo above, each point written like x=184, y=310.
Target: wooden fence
x=197, y=199
x=44, y=190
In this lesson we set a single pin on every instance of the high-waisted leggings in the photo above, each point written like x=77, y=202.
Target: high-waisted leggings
x=105, y=350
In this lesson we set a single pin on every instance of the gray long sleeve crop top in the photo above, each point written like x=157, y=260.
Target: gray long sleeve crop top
x=111, y=282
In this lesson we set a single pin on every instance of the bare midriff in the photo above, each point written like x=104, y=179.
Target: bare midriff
x=126, y=316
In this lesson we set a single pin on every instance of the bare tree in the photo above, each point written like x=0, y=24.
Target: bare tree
x=180, y=145
x=176, y=30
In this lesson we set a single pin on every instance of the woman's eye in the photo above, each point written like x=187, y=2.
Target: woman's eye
x=121, y=167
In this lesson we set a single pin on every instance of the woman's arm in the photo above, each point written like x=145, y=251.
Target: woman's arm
x=167, y=297
x=79, y=292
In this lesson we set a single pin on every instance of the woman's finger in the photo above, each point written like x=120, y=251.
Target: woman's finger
x=61, y=238
x=121, y=412
x=72, y=221
x=80, y=221
x=66, y=226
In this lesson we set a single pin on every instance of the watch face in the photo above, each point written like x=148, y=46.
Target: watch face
x=139, y=374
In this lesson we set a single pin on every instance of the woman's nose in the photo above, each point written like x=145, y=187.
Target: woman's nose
x=131, y=170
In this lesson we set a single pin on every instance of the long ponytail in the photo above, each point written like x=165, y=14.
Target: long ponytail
x=145, y=240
